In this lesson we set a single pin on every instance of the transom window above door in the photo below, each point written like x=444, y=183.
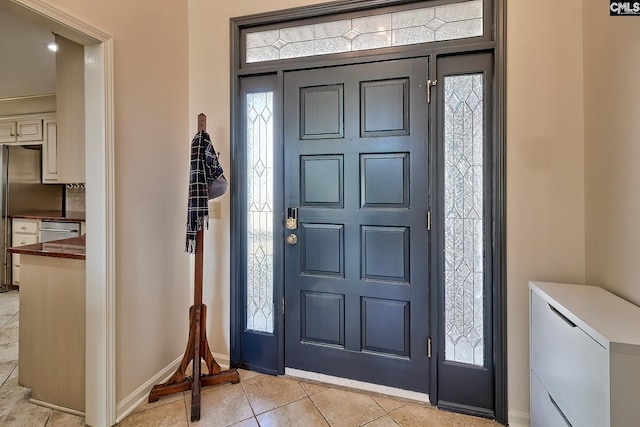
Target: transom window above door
x=373, y=31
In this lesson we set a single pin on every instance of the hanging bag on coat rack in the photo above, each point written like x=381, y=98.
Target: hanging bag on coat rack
x=218, y=184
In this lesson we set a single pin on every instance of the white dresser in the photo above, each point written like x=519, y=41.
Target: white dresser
x=584, y=356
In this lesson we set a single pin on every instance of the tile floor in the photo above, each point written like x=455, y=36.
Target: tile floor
x=267, y=401
x=258, y=400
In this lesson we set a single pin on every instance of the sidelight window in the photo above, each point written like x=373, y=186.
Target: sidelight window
x=464, y=218
x=260, y=267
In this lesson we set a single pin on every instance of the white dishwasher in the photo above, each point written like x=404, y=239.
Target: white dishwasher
x=57, y=230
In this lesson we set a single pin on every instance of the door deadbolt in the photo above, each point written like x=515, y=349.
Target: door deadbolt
x=292, y=239
x=292, y=218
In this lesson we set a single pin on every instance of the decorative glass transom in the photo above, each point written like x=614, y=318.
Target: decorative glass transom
x=259, y=126
x=463, y=218
x=424, y=25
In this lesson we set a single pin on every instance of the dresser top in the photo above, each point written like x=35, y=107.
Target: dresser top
x=72, y=248
x=610, y=320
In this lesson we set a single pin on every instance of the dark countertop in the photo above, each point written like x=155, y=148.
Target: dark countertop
x=69, y=216
x=73, y=248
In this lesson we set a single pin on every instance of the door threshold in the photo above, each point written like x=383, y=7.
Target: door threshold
x=359, y=385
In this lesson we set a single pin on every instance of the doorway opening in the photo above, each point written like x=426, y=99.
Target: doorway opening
x=100, y=408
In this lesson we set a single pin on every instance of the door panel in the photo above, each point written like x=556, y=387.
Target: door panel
x=356, y=279
x=384, y=180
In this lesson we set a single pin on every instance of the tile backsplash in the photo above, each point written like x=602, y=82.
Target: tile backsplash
x=74, y=200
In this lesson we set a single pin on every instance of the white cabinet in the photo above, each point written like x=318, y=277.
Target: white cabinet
x=62, y=134
x=24, y=232
x=30, y=129
x=57, y=166
x=21, y=129
x=8, y=130
x=584, y=357
x=50, y=152
x=70, y=140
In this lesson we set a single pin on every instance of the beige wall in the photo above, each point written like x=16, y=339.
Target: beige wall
x=612, y=150
x=545, y=157
x=151, y=162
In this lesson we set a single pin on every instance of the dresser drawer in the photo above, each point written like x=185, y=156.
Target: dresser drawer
x=572, y=366
x=544, y=411
x=26, y=226
x=20, y=239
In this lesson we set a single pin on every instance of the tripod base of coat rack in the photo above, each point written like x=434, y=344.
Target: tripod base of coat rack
x=180, y=382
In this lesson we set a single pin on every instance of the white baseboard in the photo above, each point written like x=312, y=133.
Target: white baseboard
x=135, y=399
x=56, y=407
x=519, y=419
x=361, y=385
x=140, y=395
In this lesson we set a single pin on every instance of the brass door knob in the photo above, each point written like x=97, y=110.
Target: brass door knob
x=292, y=239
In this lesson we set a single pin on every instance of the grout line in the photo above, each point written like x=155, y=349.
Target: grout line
x=464, y=421
x=186, y=411
x=377, y=418
x=243, y=420
x=10, y=373
x=278, y=406
x=379, y=405
x=249, y=400
x=13, y=316
x=318, y=409
x=48, y=418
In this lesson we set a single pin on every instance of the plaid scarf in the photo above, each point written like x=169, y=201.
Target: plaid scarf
x=204, y=168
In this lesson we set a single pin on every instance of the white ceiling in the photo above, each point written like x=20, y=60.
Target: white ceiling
x=27, y=67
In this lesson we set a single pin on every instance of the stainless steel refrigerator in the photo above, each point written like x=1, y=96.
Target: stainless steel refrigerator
x=22, y=192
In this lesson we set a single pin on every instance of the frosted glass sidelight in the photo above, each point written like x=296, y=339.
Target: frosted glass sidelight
x=463, y=218
x=259, y=124
x=423, y=25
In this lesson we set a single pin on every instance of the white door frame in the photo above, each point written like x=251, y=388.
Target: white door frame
x=100, y=390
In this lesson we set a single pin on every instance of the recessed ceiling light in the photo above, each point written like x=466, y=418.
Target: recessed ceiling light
x=52, y=47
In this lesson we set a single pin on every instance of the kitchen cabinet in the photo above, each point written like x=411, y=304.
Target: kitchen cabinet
x=23, y=168
x=64, y=138
x=35, y=129
x=50, y=152
x=584, y=357
x=21, y=130
x=56, y=168
x=52, y=330
x=68, y=162
x=24, y=232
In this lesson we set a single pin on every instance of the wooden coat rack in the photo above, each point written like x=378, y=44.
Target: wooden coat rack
x=197, y=345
